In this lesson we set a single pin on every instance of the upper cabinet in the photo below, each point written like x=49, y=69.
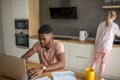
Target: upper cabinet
x=33, y=12
x=111, y=4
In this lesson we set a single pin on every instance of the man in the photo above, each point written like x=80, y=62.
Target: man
x=50, y=51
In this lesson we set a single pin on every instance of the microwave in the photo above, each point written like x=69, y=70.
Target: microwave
x=21, y=24
x=22, y=40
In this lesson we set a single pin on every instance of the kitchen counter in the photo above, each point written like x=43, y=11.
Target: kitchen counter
x=76, y=40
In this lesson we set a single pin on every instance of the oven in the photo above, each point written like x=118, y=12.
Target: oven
x=22, y=40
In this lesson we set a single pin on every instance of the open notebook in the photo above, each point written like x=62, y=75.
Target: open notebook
x=13, y=68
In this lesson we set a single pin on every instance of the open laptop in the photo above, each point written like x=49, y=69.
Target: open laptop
x=13, y=68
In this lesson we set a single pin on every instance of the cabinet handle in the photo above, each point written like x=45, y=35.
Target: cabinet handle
x=81, y=57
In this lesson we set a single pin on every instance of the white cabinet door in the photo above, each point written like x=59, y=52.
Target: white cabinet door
x=80, y=55
x=67, y=53
x=35, y=57
x=113, y=64
x=82, y=50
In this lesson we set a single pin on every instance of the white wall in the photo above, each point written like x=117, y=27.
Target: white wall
x=12, y=9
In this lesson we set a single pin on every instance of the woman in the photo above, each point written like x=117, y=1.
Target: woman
x=104, y=40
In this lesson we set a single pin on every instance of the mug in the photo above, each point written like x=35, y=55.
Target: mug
x=82, y=35
x=89, y=74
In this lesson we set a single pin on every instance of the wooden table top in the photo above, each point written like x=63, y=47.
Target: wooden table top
x=79, y=75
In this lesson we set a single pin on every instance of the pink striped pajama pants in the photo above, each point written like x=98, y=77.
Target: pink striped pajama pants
x=103, y=58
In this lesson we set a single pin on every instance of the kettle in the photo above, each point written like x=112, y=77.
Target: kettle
x=83, y=35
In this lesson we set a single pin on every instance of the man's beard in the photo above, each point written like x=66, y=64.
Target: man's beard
x=46, y=45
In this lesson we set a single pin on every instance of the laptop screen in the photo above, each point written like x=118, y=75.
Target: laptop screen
x=12, y=67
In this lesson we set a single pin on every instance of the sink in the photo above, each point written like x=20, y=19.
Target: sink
x=63, y=38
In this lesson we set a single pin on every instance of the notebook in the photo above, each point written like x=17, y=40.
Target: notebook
x=13, y=68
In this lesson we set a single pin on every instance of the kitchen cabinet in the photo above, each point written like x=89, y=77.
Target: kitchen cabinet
x=34, y=12
x=10, y=10
x=67, y=53
x=35, y=57
x=80, y=55
x=113, y=64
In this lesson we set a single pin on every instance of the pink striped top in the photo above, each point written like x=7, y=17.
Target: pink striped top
x=48, y=57
x=105, y=36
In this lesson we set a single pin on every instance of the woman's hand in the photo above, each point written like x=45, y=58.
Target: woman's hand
x=34, y=72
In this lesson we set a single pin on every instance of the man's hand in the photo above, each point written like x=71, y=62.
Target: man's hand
x=34, y=72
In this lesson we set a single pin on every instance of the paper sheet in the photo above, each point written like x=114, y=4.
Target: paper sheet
x=64, y=75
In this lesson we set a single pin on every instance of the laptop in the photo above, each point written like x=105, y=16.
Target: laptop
x=13, y=68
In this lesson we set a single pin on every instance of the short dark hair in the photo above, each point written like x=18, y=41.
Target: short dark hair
x=45, y=29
